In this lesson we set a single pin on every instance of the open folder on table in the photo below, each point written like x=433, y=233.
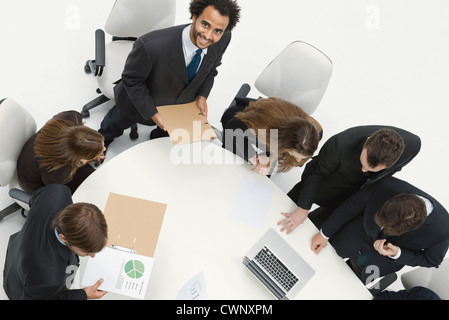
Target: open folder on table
x=185, y=123
x=125, y=263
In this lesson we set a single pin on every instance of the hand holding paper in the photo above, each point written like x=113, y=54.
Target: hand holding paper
x=157, y=118
x=202, y=105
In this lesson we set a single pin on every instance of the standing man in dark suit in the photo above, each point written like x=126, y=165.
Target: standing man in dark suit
x=42, y=258
x=348, y=161
x=158, y=69
x=386, y=226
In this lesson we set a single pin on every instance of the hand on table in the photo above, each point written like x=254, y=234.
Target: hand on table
x=293, y=219
x=261, y=164
x=318, y=242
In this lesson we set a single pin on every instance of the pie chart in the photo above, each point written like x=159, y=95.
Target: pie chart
x=134, y=269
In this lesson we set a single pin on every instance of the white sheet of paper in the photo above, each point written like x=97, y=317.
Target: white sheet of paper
x=123, y=272
x=253, y=202
x=194, y=289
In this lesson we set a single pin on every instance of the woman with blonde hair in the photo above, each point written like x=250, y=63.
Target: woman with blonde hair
x=59, y=153
x=270, y=131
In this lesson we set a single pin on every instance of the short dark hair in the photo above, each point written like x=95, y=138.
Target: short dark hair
x=384, y=147
x=402, y=213
x=227, y=8
x=83, y=226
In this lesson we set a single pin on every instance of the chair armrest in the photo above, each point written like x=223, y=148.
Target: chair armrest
x=382, y=284
x=20, y=195
x=243, y=91
x=100, y=59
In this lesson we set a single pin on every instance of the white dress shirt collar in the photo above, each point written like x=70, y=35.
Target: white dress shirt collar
x=188, y=47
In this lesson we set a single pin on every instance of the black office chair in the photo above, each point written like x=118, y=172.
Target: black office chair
x=128, y=20
x=17, y=127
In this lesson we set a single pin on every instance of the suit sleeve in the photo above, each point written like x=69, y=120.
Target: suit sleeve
x=137, y=69
x=239, y=139
x=327, y=161
x=429, y=257
x=351, y=208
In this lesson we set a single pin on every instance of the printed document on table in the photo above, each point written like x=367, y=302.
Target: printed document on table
x=253, y=202
x=194, y=289
x=123, y=272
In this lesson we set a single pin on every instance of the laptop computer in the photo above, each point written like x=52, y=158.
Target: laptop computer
x=278, y=266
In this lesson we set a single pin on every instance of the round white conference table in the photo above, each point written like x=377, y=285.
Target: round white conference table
x=199, y=183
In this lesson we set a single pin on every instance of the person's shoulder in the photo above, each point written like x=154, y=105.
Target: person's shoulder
x=164, y=34
x=71, y=115
x=224, y=41
x=52, y=191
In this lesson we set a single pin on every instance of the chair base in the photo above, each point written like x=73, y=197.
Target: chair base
x=383, y=283
x=94, y=103
x=9, y=210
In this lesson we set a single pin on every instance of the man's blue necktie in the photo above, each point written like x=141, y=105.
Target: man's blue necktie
x=193, y=65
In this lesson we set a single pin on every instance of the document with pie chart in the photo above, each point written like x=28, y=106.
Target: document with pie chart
x=125, y=263
x=123, y=272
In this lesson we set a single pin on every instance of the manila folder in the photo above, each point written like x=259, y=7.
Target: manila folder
x=134, y=223
x=185, y=123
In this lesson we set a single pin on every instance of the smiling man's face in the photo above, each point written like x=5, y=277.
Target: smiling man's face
x=208, y=27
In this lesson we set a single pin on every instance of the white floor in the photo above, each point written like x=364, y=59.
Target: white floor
x=390, y=67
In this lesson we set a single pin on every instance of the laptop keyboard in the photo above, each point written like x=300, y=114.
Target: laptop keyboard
x=276, y=268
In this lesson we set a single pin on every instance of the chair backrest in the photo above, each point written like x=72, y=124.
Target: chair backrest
x=133, y=18
x=17, y=127
x=435, y=279
x=299, y=74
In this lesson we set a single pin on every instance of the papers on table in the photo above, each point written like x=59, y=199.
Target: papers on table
x=133, y=230
x=123, y=272
x=253, y=202
x=194, y=289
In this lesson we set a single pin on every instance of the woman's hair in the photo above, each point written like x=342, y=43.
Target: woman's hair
x=83, y=226
x=296, y=130
x=402, y=213
x=61, y=142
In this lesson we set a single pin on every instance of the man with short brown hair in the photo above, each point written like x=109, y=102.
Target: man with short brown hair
x=42, y=257
x=386, y=226
x=347, y=162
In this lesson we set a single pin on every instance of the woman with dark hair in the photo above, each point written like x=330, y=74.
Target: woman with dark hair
x=270, y=131
x=59, y=153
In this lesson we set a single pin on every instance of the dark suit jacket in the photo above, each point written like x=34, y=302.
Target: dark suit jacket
x=36, y=265
x=352, y=229
x=155, y=74
x=336, y=172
